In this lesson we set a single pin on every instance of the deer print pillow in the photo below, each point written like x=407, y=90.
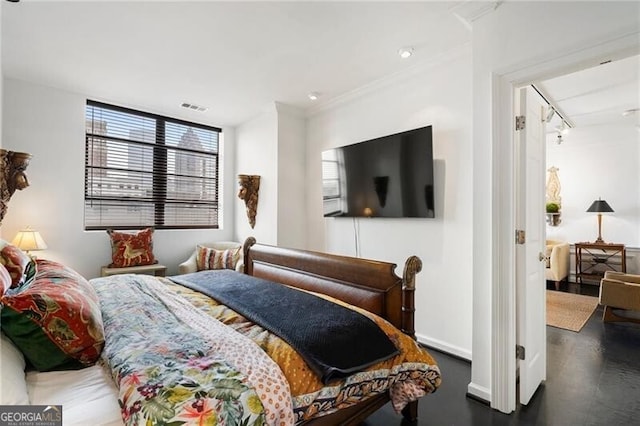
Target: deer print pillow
x=131, y=249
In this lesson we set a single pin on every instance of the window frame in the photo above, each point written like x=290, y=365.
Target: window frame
x=340, y=198
x=160, y=174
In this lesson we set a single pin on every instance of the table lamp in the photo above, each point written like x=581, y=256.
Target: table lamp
x=29, y=239
x=600, y=206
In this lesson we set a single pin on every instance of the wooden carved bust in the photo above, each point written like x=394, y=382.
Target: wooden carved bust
x=249, y=186
x=13, y=166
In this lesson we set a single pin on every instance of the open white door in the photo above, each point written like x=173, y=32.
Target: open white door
x=530, y=280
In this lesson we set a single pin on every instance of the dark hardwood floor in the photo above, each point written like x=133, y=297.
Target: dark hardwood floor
x=593, y=379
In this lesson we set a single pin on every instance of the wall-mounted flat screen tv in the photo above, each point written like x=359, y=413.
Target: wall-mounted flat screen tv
x=390, y=176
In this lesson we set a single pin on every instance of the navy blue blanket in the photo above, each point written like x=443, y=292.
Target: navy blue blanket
x=334, y=341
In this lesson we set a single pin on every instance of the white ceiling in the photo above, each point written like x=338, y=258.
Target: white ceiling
x=236, y=58
x=596, y=96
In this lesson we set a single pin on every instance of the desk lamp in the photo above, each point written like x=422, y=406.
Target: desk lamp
x=600, y=206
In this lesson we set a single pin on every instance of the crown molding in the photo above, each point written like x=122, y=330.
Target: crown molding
x=390, y=80
x=469, y=11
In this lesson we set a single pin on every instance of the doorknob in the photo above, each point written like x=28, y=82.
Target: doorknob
x=541, y=257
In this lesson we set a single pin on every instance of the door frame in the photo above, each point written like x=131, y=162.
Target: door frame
x=503, y=297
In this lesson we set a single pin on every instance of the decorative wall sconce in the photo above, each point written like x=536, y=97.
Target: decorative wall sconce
x=553, y=199
x=249, y=186
x=12, y=176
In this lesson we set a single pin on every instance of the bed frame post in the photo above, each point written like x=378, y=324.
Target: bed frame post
x=248, y=269
x=412, y=266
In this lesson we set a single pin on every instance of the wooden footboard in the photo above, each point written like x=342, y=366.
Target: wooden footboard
x=368, y=284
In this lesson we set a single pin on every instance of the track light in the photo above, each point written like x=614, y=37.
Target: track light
x=553, y=111
x=550, y=114
x=563, y=128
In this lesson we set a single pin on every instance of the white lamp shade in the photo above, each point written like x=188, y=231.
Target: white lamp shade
x=29, y=239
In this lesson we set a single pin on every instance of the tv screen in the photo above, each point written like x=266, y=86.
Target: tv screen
x=391, y=176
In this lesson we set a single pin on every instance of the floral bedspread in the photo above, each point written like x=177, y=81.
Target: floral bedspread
x=172, y=370
x=406, y=377
x=176, y=365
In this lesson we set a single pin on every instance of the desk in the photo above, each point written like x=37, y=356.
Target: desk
x=593, y=259
x=157, y=270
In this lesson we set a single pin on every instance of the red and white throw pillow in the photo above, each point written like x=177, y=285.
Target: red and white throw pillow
x=55, y=320
x=20, y=266
x=131, y=249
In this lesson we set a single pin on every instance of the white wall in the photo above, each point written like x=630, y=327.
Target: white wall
x=517, y=36
x=257, y=154
x=1, y=85
x=272, y=146
x=291, y=182
x=50, y=124
x=438, y=95
x=599, y=161
x=593, y=162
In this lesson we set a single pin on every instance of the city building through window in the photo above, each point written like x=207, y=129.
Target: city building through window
x=144, y=170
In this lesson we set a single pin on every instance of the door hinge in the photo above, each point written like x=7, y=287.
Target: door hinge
x=521, y=122
x=519, y=352
x=520, y=236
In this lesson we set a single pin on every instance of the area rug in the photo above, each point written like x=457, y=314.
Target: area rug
x=569, y=311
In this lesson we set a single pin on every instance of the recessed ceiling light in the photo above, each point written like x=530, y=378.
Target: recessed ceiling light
x=314, y=96
x=405, y=52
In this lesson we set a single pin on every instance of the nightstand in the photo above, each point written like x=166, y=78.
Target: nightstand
x=155, y=269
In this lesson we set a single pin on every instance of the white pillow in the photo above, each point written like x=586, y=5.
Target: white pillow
x=88, y=396
x=13, y=385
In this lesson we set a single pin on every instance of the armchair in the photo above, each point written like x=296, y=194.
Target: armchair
x=190, y=264
x=619, y=290
x=557, y=255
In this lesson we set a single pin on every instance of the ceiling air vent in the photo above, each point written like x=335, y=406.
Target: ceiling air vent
x=193, y=107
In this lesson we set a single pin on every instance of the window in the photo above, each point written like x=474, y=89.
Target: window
x=145, y=170
x=332, y=185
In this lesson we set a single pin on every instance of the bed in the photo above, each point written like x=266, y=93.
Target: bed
x=371, y=288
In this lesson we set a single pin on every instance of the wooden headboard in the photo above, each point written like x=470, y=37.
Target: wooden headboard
x=369, y=284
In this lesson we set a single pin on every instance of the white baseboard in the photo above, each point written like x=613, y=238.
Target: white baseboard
x=479, y=392
x=444, y=347
x=473, y=390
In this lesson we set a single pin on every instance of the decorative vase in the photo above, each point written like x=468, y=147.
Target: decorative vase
x=553, y=219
